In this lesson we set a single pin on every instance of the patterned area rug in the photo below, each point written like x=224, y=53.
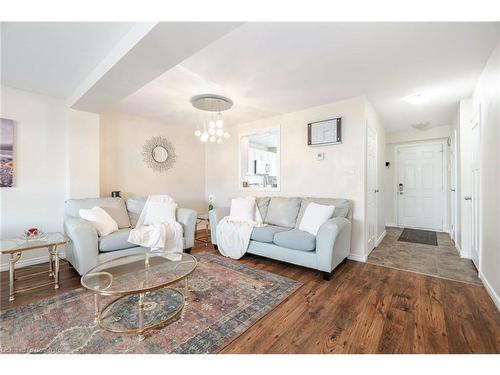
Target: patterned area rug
x=225, y=298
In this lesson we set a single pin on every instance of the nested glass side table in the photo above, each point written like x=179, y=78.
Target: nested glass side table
x=15, y=247
x=203, y=219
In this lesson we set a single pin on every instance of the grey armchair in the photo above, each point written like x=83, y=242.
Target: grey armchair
x=86, y=249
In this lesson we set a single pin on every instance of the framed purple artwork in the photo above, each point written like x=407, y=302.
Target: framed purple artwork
x=6, y=152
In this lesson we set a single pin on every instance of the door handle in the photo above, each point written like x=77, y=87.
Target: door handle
x=468, y=198
x=376, y=190
x=452, y=189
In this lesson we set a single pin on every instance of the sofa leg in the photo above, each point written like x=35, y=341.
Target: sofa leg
x=216, y=247
x=327, y=275
x=188, y=251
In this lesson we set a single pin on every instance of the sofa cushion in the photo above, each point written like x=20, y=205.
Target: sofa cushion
x=115, y=207
x=134, y=208
x=115, y=241
x=262, y=205
x=266, y=233
x=295, y=239
x=342, y=207
x=283, y=211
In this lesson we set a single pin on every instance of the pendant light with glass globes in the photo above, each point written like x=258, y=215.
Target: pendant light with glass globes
x=212, y=129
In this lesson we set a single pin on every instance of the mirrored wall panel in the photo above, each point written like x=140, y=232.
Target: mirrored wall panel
x=260, y=160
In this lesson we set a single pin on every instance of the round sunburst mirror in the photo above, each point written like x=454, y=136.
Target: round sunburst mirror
x=159, y=154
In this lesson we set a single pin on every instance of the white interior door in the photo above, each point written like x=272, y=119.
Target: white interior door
x=421, y=186
x=474, y=197
x=453, y=187
x=371, y=187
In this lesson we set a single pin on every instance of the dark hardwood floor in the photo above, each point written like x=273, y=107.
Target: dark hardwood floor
x=364, y=308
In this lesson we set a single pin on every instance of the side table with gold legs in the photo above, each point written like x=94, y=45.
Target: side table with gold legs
x=16, y=247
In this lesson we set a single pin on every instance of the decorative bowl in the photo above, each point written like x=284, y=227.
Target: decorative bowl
x=33, y=234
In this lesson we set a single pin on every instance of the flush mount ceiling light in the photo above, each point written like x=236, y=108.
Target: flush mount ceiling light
x=422, y=126
x=212, y=128
x=415, y=99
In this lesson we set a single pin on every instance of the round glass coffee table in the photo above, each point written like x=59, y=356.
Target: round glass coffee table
x=140, y=284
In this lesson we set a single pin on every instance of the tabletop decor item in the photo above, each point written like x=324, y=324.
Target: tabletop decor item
x=33, y=234
x=159, y=154
x=6, y=153
x=211, y=202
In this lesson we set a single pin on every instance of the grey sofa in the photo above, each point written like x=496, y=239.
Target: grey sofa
x=86, y=249
x=281, y=239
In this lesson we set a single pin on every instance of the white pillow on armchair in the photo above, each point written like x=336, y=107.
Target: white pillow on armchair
x=100, y=219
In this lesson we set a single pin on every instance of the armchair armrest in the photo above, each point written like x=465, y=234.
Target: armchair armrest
x=82, y=251
x=187, y=218
x=215, y=216
x=333, y=243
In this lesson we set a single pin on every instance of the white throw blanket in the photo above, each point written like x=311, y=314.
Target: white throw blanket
x=161, y=234
x=233, y=237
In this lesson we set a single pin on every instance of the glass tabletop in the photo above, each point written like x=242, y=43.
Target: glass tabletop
x=138, y=273
x=12, y=245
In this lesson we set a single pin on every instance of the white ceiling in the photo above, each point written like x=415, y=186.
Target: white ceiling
x=53, y=58
x=273, y=68
x=266, y=68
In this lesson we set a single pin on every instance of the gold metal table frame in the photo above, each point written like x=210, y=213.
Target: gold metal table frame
x=103, y=313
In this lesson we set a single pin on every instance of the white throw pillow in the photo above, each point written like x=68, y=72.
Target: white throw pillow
x=315, y=216
x=242, y=209
x=160, y=213
x=100, y=219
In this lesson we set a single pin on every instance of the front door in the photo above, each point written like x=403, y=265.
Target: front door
x=421, y=187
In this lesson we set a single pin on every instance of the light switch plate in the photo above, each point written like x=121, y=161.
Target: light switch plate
x=320, y=156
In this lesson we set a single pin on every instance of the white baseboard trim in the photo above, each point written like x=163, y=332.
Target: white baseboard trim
x=29, y=262
x=357, y=257
x=391, y=225
x=489, y=289
x=381, y=238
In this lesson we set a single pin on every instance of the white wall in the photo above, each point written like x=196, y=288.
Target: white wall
x=83, y=154
x=390, y=175
x=486, y=97
x=37, y=198
x=123, y=168
x=41, y=167
x=373, y=119
x=339, y=175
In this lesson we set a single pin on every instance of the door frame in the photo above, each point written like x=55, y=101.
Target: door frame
x=374, y=129
x=444, y=143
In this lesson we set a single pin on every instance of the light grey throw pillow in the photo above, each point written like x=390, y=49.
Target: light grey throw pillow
x=263, y=204
x=115, y=207
x=283, y=211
